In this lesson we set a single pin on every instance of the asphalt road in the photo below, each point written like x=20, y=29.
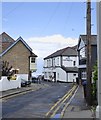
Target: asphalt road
x=34, y=104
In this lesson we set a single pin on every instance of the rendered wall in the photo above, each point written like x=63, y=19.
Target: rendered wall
x=6, y=84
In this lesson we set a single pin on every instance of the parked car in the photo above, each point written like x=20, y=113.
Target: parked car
x=25, y=83
x=35, y=78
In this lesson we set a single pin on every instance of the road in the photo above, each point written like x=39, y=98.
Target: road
x=34, y=104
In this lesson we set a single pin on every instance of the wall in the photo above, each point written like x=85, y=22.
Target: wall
x=71, y=77
x=62, y=75
x=18, y=58
x=5, y=84
x=82, y=44
x=68, y=61
x=46, y=73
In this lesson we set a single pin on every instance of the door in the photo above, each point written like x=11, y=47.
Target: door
x=54, y=74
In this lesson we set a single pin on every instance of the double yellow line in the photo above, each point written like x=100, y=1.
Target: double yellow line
x=15, y=94
x=67, y=104
x=57, y=105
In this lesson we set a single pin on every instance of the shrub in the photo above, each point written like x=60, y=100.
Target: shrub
x=94, y=85
x=6, y=69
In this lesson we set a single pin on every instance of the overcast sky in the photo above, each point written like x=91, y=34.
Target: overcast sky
x=46, y=26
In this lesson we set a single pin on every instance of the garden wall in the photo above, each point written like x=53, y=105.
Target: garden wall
x=6, y=84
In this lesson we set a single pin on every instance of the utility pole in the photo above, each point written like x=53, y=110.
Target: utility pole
x=89, y=68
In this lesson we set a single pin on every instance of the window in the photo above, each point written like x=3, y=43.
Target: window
x=58, y=61
x=49, y=62
x=49, y=74
x=84, y=75
x=74, y=74
x=82, y=53
x=53, y=61
x=45, y=74
x=74, y=63
x=32, y=60
x=58, y=75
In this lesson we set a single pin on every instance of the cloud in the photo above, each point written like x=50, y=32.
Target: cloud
x=44, y=46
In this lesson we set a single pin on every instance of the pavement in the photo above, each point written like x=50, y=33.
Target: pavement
x=78, y=107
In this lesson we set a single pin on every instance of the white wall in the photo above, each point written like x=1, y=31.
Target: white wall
x=82, y=44
x=68, y=61
x=62, y=75
x=47, y=71
x=71, y=77
x=5, y=84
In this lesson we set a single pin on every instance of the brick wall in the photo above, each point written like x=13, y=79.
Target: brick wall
x=18, y=57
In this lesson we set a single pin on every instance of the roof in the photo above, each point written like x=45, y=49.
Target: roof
x=84, y=38
x=14, y=43
x=68, y=51
x=33, y=55
x=70, y=69
x=6, y=38
x=6, y=41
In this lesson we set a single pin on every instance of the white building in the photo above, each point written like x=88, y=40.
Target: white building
x=62, y=65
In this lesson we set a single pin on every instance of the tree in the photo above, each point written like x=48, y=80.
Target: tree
x=6, y=69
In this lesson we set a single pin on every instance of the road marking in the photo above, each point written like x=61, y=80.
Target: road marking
x=17, y=94
x=65, y=96
x=63, y=111
x=57, y=103
x=62, y=102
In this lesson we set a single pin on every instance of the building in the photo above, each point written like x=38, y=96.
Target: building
x=18, y=54
x=62, y=65
x=82, y=54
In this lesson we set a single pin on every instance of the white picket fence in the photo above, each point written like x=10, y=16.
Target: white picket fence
x=6, y=84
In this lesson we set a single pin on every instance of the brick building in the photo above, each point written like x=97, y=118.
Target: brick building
x=18, y=54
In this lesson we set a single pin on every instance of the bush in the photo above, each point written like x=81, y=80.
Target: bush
x=6, y=69
x=94, y=85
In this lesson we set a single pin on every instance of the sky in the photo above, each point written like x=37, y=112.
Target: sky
x=46, y=26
